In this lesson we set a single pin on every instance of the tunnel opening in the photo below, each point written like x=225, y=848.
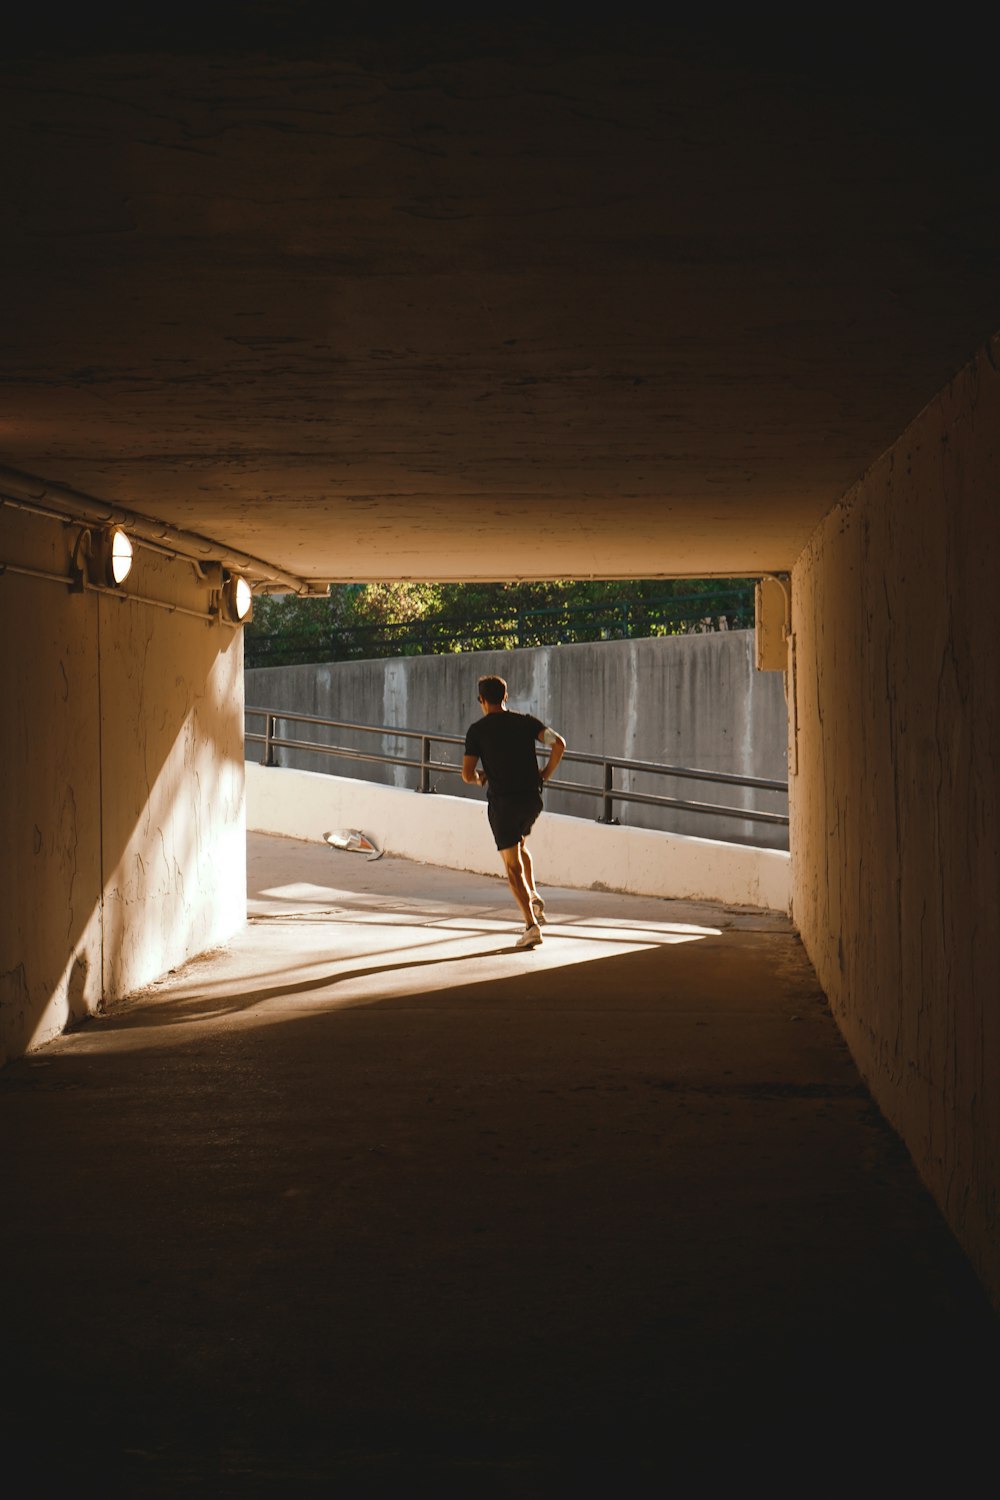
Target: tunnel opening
x=655, y=681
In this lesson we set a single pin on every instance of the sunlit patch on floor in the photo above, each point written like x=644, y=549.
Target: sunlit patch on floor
x=299, y=963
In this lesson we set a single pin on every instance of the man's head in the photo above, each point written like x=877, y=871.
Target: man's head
x=492, y=692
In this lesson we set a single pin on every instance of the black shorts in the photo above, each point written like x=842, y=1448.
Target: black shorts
x=512, y=818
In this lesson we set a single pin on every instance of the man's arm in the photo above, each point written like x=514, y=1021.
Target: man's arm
x=469, y=772
x=556, y=745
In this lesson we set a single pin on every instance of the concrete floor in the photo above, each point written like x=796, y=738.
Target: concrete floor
x=368, y=1204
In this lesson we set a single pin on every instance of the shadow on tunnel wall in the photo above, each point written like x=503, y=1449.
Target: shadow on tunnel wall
x=895, y=810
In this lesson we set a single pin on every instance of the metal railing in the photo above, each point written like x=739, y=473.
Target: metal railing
x=607, y=793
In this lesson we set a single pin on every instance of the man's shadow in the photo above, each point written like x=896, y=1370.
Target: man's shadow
x=172, y=1012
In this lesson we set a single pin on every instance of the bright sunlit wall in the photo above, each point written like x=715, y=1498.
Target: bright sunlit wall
x=123, y=815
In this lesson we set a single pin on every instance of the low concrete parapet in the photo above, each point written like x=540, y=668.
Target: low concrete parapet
x=573, y=852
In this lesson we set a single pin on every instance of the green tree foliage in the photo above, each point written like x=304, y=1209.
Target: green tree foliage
x=379, y=619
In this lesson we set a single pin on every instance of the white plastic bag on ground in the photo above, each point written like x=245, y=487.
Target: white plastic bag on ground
x=353, y=841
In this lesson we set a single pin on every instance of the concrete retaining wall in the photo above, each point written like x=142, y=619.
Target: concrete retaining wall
x=570, y=852
x=693, y=700
x=895, y=826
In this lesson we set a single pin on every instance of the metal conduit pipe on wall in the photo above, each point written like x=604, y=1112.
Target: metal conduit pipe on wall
x=29, y=492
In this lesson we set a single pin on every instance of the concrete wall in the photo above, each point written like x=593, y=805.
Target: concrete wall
x=693, y=700
x=895, y=832
x=571, y=852
x=123, y=818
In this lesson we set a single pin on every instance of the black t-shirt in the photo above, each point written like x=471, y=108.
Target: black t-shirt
x=505, y=743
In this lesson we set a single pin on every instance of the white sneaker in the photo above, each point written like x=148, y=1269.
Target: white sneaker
x=538, y=911
x=530, y=937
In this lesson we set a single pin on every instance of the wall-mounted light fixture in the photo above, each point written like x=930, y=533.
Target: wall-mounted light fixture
x=114, y=556
x=102, y=558
x=211, y=575
x=237, y=599
x=230, y=593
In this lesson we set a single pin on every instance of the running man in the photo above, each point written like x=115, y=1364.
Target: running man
x=505, y=744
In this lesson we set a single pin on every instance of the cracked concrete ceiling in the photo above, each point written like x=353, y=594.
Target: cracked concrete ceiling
x=486, y=298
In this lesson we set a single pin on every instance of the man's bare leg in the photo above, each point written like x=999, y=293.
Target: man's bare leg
x=515, y=878
x=537, y=904
x=529, y=873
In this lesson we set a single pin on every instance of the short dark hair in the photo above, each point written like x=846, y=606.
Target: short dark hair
x=492, y=689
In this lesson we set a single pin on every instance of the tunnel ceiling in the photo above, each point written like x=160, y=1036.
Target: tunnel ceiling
x=484, y=299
